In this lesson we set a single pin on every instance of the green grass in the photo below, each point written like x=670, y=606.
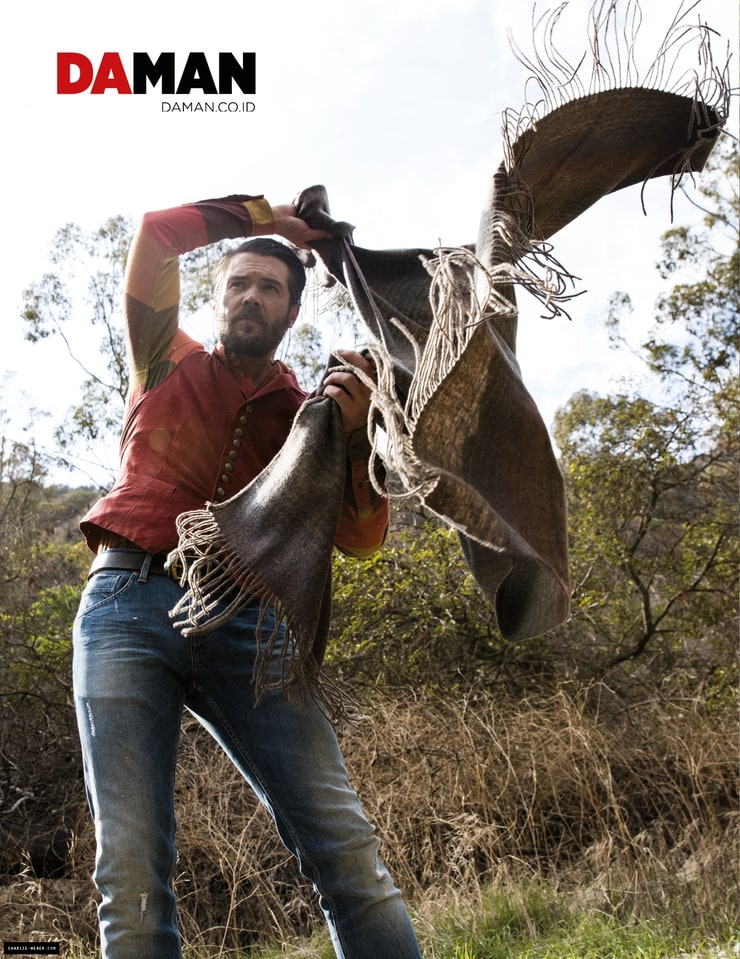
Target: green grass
x=537, y=930
x=533, y=922
x=538, y=923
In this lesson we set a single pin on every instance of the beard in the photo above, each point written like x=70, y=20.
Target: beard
x=260, y=339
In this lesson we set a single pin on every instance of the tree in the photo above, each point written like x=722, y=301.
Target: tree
x=653, y=538
x=40, y=584
x=304, y=354
x=652, y=484
x=85, y=291
x=413, y=615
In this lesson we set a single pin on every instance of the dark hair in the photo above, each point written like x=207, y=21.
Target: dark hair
x=264, y=246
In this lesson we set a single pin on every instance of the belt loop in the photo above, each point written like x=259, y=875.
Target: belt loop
x=144, y=571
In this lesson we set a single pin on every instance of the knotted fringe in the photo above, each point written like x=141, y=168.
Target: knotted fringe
x=254, y=547
x=614, y=27
x=219, y=585
x=463, y=294
x=218, y=582
x=613, y=31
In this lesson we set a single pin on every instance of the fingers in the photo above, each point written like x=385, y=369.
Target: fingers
x=349, y=378
x=350, y=393
x=294, y=229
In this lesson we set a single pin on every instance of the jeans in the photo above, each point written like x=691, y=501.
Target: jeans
x=133, y=674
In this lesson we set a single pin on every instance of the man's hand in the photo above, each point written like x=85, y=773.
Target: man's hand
x=297, y=231
x=351, y=395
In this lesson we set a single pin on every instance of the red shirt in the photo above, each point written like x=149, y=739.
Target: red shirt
x=195, y=429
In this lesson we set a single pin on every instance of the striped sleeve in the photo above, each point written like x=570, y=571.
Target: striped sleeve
x=152, y=286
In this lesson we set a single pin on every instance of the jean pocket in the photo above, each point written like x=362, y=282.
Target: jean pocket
x=105, y=587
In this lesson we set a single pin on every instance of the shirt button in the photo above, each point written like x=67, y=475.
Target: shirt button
x=220, y=491
x=225, y=478
x=236, y=444
x=239, y=431
x=233, y=455
x=243, y=420
x=248, y=409
x=228, y=467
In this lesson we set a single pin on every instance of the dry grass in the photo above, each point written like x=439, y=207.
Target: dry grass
x=631, y=811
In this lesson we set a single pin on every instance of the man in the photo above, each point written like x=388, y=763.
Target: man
x=199, y=426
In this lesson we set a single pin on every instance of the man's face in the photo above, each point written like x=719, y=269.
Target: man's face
x=254, y=311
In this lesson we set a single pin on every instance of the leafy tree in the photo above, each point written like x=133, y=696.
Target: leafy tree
x=84, y=290
x=694, y=345
x=40, y=584
x=652, y=484
x=304, y=353
x=653, y=538
x=23, y=469
x=412, y=614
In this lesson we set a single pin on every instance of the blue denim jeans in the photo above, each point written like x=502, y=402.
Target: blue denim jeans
x=133, y=675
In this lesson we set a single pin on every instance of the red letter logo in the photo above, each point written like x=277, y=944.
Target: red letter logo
x=111, y=75
x=65, y=63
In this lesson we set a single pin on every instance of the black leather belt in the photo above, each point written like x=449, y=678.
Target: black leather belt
x=135, y=560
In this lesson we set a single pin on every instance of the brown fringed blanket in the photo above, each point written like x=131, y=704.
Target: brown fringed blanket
x=461, y=431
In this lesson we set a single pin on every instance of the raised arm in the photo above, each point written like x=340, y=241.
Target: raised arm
x=152, y=286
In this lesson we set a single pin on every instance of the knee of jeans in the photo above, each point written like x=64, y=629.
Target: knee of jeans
x=356, y=869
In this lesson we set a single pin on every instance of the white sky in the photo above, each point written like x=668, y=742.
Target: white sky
x=393, y=104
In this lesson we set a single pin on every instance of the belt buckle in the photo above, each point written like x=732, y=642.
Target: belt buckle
x=175, y=567
x=178, y=564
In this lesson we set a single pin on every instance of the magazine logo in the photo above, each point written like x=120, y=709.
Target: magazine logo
x=77, y=73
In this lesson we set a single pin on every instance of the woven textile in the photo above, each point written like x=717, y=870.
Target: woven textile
x=462, y=431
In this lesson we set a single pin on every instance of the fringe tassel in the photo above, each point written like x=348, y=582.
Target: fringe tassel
x=215, y=576
x=281, y=667
x=463, y=294
x=219, y=585
x=614, y=27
